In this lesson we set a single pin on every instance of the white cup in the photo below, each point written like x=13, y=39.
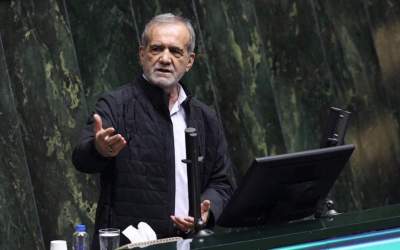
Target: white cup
x=58, y=245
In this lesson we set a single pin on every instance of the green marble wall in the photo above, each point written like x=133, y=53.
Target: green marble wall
x=20, y=226
x=269, y=68
x=49, y=109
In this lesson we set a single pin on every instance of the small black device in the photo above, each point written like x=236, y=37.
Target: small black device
x=336, y=127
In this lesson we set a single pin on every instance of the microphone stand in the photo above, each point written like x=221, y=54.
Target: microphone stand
x=192, y=161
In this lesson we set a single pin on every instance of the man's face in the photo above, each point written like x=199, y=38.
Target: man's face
x=166, y=59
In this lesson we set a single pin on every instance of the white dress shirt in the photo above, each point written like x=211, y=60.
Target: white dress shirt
x=178, y=115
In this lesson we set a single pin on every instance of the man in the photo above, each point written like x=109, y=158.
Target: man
x=136, y=141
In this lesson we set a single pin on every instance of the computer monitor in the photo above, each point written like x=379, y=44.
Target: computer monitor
x=286, y=187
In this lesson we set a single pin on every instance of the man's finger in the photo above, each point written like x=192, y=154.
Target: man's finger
x=188, y=220
x=109, y=131
x=105, y=134
x=98, y=124
x=101, y=142
x=118, y=146
x=182, y=223
x=205, y=206
x=178, y=223
x=115, y=139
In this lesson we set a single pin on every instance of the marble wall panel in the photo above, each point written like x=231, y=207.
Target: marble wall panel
x=356, y=73
x=18, y=212
x=301, y=83
x=243, y=79
x=51, y=106
x=106, y=43
x=384, y=22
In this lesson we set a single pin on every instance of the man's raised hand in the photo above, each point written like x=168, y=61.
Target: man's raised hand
x=106, y=142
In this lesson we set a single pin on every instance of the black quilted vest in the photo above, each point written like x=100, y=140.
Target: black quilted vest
x=141, y=184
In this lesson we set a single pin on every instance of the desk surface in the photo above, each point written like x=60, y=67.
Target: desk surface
x=344, y=227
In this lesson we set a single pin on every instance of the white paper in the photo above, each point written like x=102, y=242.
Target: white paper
x=133, y=234
x=142, y=234
x=146, y=231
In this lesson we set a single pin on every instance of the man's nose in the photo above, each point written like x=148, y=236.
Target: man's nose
x=165, y=57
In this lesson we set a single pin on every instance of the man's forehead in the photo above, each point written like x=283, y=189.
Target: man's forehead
x=176, y=29
x=164, y=44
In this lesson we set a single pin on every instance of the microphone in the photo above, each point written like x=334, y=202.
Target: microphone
x=192, y=162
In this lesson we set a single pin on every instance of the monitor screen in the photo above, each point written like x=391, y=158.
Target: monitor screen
x=286, y=187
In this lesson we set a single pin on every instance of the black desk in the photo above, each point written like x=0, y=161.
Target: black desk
x=371, y=226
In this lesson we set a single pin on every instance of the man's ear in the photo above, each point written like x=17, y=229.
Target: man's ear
x=141, y=54
x=192, y=55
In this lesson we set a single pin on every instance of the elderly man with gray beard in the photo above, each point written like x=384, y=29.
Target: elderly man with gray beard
x=136, y=141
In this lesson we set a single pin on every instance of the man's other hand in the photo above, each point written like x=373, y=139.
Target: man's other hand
x=185, y=224
x=106, y=143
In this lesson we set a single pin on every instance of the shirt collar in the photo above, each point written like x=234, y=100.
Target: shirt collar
x=181, y=98
x=181, y=94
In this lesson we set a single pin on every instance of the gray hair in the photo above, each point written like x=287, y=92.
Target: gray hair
x=169, y=18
